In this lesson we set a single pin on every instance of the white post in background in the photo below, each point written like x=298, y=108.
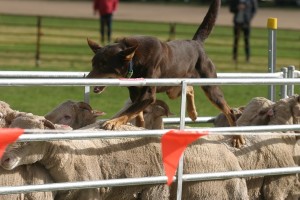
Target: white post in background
x=272, y=27
x=87, y=94
x=290, y=88
x=284, y=87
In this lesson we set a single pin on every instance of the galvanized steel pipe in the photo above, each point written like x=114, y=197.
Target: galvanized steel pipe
x=145, y=82
x=147, y=180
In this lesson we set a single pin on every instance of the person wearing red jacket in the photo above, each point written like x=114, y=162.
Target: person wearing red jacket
x=105, y=8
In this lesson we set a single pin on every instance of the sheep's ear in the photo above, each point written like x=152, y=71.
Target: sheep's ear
x=97, y=113
x=128, y=53
x=238, y=115
x=164, y=108
x=242, y=108
x=84, y=105
x=93, y=45
x=270, y=112
x=49, y=124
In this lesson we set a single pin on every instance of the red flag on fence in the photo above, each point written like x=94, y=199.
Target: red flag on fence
x=173, y=144
x=7, y=136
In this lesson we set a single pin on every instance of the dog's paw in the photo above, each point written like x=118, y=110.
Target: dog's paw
x=238, y=141
x=193, y=115
x=113, y=124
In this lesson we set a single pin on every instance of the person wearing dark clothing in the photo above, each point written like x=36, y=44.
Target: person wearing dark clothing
x=105, y=8
x=243, y=12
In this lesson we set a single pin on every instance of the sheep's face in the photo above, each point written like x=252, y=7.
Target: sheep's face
x=296, y=111
x=286, y=111
x=21, y=153
x=153, y=115
x=74, y=114
x=62, y=114
x=257, y=112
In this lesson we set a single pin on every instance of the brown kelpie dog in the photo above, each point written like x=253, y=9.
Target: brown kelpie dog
x=148, y=57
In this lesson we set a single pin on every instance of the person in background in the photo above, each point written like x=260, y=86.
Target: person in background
x=105, y=8
x=243, y=12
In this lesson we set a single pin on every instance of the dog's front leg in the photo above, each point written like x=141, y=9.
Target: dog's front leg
x=146, y=96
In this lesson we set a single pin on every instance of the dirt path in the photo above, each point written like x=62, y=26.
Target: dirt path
x=146, y=12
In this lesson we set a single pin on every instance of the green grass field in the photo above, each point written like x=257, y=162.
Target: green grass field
x=64, y=48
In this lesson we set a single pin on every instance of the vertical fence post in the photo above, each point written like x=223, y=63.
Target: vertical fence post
x=38, y=40
x=87, y=94
x=182, y=125
x=283, y=94
x=290, y=87
x=272, y=27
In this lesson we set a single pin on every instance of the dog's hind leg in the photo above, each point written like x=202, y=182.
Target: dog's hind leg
x=215, y=95
x=175, y=92
x=190, y=104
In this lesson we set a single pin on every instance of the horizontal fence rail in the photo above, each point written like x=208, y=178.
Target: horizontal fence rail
x=176, y=120
x=145, y=82
x=147, y=180
x=60, y=74
x=86, y=134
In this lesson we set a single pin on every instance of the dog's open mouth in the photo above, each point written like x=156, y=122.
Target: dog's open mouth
x=99, y=89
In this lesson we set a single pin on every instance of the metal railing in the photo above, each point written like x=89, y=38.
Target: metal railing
x=148, y=82
x=286, y=72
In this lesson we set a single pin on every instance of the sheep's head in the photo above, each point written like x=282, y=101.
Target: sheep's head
x=296, y=110
x=286, y=111
x=153, y=114
x=221, y=120
x=74, y=114
x=22, y=153
x=257, y=112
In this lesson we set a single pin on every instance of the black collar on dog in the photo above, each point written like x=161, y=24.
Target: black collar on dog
x=130, y=70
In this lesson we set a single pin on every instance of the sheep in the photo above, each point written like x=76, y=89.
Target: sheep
x=36, y=122
x=221, y=121
x=128, y=158
x=33, y=174
x=29, y=174
x=5, y=110
x=263, y=152
x=153, y=115
x=7, y=114
x=74, y=114
x=256, y=109
x=151, y=118
x=257, y=112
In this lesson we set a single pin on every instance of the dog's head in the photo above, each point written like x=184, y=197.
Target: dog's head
x=110, y=61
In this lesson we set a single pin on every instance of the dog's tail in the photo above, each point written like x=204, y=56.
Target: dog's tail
x=208, y=22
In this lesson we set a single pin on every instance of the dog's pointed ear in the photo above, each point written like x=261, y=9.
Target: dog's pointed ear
x=93, y=45
x=128, y=53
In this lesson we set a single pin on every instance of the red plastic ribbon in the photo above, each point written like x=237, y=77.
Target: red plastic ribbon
x=7, y=136
x=174, y=142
